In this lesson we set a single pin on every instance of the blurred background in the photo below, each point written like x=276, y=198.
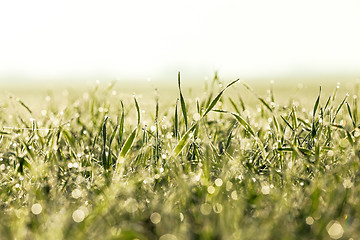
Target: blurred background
x=77, y=41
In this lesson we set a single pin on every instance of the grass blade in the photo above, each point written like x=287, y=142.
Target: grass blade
x=350, y=114
x=176, y=121
x=217, y=98
x=183, y=141
x=287, y=123
x=244, y=124
x=24, y=105
x=316, y=104
x=103, y=155
x=127, y=145
x=137, y=110
x=338, y=108
x=182, y=103
x=121, y=124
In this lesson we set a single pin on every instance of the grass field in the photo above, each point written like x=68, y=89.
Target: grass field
x=222, y=161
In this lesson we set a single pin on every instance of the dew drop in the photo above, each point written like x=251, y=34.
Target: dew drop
x=36, y=209
x=155, y=218
x=78, y=215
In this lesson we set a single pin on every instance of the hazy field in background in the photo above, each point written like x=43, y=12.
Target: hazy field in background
x=303, y=88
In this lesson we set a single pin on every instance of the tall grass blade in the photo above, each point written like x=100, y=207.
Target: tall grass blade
x=121, y=125
x=176, y=120
x=350, y=114
x=182, y=103
x=103, y=154
x=138, y=111
x=316, y=104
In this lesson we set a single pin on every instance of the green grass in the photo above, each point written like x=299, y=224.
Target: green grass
x=236, y=162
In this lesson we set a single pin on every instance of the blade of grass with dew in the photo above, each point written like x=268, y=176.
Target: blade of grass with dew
x=350, y=115
x=338, y=108
x=182, y=103
x=23, y=163
x=121, y=125
x=103, y=155
x=355, y=109
x=287, y=123
x=217, y=98
x=251, y=131
x=244, y=124
x=125, y=149
x=157, y=144
x=228, y=141
x=183, y=141
x=234, y=105
x=176, y=121
x=24, y=105
x=137, y=110
x=113, y=134
x=316, y=105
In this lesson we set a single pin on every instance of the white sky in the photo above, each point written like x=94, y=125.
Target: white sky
x=148, y=38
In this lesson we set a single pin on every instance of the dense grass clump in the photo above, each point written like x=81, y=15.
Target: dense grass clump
x=101, y=166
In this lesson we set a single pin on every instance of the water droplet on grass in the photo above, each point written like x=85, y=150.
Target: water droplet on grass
x=335, y=230
x=265, y=189
x=78, y=215
x=76, y=193
x=211, y=189
x=234, y=195
x=36, y=208
x=309, y=220
x=168, y=237
x=155, y=218
x=205, y=209
x=347, y=183
x=196, y=116
x=182, y=217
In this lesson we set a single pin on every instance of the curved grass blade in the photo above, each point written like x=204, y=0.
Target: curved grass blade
x=125, y=149
x=338, y=108
x=127, y=145
x=217, y=98
x=244, y=124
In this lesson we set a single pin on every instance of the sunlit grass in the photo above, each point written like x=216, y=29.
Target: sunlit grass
x=99, y=165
